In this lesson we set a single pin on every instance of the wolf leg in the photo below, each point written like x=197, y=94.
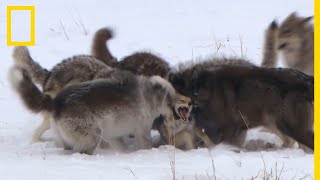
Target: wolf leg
x=117, y=144
x=142, y=140
x=41, y=129
x=184, y=140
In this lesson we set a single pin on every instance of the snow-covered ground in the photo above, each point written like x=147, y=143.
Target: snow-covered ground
x=176, y=30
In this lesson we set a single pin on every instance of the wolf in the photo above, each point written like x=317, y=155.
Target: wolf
x=141, y=63
x=82, y=68
x=181, y=131
x=231, y=99
x=85, y=113
x=178, y=131
x=70, y=71
x=295, y=39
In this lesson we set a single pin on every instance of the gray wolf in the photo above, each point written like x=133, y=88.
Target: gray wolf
x=82, y=68
x=231, y=99
x=70, y=71
x=295, y=39
x=83, y=114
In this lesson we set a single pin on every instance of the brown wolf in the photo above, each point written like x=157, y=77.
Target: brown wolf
x=295, y=38
x=142, y=63
x=231, y=99
x=99, y=48
x=180, y=131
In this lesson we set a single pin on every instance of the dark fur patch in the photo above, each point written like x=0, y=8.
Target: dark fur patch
x=144, y=63
x=227, y=97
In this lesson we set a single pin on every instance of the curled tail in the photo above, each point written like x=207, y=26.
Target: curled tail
x=23, y=59
x=270, y=53
x=31, y=96
x=100, y=49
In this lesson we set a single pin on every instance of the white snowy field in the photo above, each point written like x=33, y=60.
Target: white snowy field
x=176, y=30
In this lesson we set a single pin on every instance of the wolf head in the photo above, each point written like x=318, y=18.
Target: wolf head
x=182, y=108
x=291, y=31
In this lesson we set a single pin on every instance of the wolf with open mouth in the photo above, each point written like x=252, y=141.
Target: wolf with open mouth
x=180, y=131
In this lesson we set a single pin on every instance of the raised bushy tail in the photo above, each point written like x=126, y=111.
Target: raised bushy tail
x=270, y=52
x=100, y=49
x=31, y=96
x=23, y=59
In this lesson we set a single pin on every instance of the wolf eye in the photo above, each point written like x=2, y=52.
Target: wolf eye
x=183, y=101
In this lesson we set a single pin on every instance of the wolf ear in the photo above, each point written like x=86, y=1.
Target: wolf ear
x=293, y=15
x=306, y=20
x=273, y=25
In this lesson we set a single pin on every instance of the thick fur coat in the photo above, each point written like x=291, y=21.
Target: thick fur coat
x=231, y=99
x=104, y=109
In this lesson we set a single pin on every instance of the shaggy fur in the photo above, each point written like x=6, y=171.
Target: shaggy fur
x=231, y=99
x=99, y=48
x=295, y=38
x=144, y=63
x=70, y=71
x=141, y=63
x=85, y=113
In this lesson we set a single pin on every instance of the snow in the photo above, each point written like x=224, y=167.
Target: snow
x=176, y=30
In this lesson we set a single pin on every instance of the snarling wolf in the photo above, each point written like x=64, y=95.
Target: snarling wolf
x=103, y=109
x=295, y=39
x=180, y=131
x=231, y=99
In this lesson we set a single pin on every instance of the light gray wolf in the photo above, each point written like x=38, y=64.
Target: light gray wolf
x=70, y=71
x=83, y=114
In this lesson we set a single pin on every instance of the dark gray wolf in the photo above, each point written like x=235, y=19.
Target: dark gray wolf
x=103, y=109
x=181, y=131
x=230, y=99
x=295, y=39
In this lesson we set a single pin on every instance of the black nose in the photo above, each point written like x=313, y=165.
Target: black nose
x=283, y=45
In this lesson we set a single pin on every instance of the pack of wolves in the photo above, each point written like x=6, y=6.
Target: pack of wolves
x=94, y=100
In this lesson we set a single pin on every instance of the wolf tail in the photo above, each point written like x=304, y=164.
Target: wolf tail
x=270, y=53
x=31, y=96
x=100, y=49
x=23, y=59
